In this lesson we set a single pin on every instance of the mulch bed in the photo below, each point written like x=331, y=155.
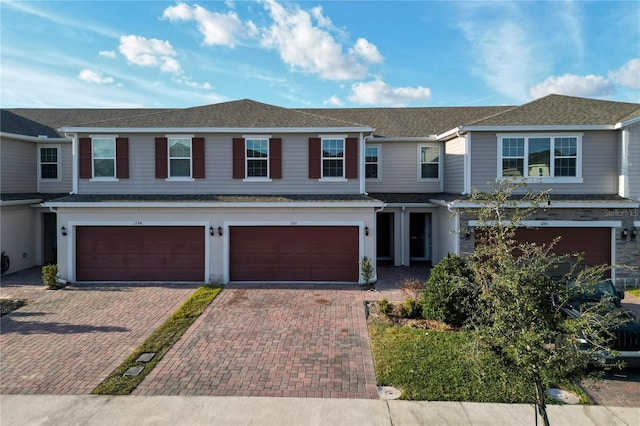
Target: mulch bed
x=395, y=318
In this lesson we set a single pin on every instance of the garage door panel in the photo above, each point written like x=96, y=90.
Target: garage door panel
x=300, y=253
x=139, y=253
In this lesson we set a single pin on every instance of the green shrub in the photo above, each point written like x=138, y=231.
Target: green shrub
x=451, y=294
x=410, y=309
x=366, y=270
x=384, y=306
x=50, y=276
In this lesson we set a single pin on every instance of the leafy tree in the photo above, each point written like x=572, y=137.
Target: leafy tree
x=516, y=318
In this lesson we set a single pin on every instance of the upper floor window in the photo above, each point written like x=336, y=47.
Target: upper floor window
x=103, y=154
x=429, y=162
x=49, y=161
x=372, y=162
x=333, y=158
x=540, y=156
x=179, y=157
x=257, y=158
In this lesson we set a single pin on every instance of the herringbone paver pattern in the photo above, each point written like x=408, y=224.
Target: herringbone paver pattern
x=269, y=340
x=69, y=340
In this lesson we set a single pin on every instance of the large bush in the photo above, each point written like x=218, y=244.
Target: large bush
x=451, y=294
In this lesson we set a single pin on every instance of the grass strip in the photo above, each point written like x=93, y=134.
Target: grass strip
x=160, y=341
x=445, y=366
x=635, y=292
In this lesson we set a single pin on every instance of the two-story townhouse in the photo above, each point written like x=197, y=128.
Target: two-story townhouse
x=253, y=192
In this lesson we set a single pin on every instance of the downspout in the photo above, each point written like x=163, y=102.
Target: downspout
x=467, y=163
x=361, y=160
x=402, y=238
x=623, y=182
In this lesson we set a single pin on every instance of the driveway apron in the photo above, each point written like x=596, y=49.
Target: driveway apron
x=271, y=340
x=69, y=340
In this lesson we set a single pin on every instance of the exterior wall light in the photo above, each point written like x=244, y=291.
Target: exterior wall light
x=220, y=230
x=366, y=230
x=624, y=233
x=211, y=231
x=467, y=234
x=63, y=231
x=634, y=234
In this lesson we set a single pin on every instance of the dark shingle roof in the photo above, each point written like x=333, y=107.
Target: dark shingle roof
x=20, y=196
x=403, y=197
x=410, y=122
x=213, y=198
x=236, y=114
x=563, y=110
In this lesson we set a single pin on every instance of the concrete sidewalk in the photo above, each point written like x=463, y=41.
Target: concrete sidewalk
x=66, y=410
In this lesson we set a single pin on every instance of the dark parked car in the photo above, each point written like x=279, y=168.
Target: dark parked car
x=625, y=343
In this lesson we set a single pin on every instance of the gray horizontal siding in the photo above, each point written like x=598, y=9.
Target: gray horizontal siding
x=599, y=164
x=454, y=166
x=399, y=170
x=18, y=166
x=66, y=172
x=218, y=172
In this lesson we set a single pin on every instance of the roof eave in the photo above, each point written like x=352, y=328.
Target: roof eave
x=538, y=128
x=205, y=204
x=38, y=139
x=215, y=129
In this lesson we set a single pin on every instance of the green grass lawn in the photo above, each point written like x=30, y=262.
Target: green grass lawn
x=159, y=342
x=443, y=366
x=635, y=292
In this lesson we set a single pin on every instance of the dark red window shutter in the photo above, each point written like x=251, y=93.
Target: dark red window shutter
x=275, y=158
x=197, y=147
x=351, y=158
x=85, y=158
x=161, y=158
x=238, y=158
x=122, y=158
x=314, y=158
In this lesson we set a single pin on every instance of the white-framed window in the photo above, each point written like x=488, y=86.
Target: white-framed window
x=257, y=158
x=103, y=156
x=49, y=163
x=179, y=157
x=540, y=157
x=428, y=162
x=333, y=158
x=372, y=162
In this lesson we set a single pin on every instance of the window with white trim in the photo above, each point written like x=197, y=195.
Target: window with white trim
x=103, y=155
x=49, y=161
x=179, y=157
x=372, y=162
x=257, y=158
x=333, y=158
x=429, y=162
x=540, y=156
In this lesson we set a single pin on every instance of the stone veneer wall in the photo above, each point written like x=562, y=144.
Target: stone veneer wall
x=627, y=251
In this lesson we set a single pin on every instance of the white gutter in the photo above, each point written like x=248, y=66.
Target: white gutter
x=20, y=202
x=244, y=130
x=430, y=138
x=551, y=205
x=555, y=127
x=37, y=139
x=627, y=123
x=189, y=204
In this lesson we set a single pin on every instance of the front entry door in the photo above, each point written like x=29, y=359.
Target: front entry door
x=420, y=236
x=384, y=236
x=49, y=239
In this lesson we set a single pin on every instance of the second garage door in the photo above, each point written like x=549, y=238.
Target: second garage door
x=595, y=243
x=294, y=253
x=145, y=253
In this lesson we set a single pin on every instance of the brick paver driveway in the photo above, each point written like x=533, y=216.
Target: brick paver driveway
x=272, y=340
x=67, y=341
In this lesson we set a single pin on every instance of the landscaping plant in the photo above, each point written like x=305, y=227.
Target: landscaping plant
x=50, y=277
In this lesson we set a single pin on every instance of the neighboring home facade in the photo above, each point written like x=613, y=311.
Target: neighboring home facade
x=244, y=191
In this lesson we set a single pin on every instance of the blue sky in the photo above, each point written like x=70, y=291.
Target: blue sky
x=101, y=54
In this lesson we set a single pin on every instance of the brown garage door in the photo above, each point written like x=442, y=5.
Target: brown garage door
x=294, y=253
x=144, y=253
x=595, y=243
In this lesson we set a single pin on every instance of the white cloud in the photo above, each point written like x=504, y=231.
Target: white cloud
x=149, y=53
x=312, y=47
x=190, y=83
x=334, y=101
x=573, y=85
x=96, y=77
x=628, y=74
x=367, y=51
x=107, y=54
x=378, y=92
x=217, y=28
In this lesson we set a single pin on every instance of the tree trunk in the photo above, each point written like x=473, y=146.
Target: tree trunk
x=542, y=408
